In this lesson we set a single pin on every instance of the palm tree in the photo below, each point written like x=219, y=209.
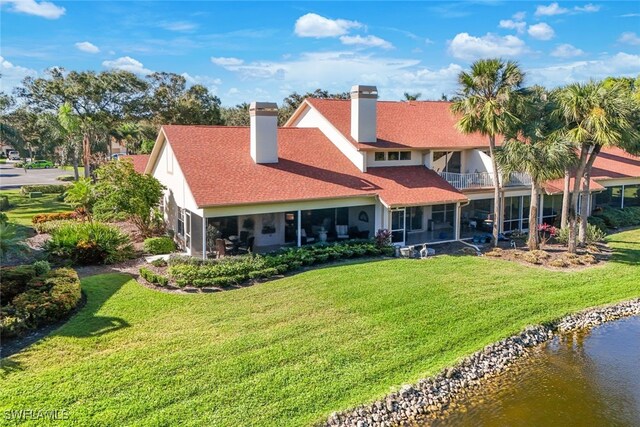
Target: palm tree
x=70, y=129
x=81, y=196
x=485, y=104
x=594, y=115
x=412, y=96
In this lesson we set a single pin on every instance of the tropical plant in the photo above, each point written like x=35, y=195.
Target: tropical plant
x=412, y=96
x=594, y=115
x=488, y=95
x=9, y=240
x=81, y=195
x=532, y=148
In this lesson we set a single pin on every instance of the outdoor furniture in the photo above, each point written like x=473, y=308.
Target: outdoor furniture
x=248, y=246
x=221, y=248
x=342, y=232
x=305, y=239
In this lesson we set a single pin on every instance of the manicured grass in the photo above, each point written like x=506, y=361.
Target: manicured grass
x=291, y=351
x=70, y=169
x=25, y=208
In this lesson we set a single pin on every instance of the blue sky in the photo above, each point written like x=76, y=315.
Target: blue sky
x=246, y=51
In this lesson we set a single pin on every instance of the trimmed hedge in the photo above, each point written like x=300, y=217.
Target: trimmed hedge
x=237, y=270
x=66, y=178
x=154, y=278
x=159, y=245
x=46, y=217
x=41, y=299
x=615, y=218
x=4, y=203
x=44, y=188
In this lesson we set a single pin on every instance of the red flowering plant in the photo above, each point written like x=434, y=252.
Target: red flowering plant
x=546, y=232
x=383, y=238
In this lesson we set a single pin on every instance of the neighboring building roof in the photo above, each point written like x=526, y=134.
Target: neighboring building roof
x=403, y=124
x=220, y=171
x=556, y=186
x=139, y=161
x=614, y=163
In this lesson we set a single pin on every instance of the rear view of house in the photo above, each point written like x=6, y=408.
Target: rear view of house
x=342, y=169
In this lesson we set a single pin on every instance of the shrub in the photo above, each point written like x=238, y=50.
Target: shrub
x=594, y=235
x=3, y=218
x=558, y=262
x=41, y=267
x=41, y=299
x=159, y=245
x=4, y=203
x=598, y=222
x=154, y=278
x=66, y=178
x=35, y=194
x=535, y=257
x=495, y=252
x=159, y=262
x=383, y=238
x=89, y=243
x=615, y=218
x=46, y=217
x=44, y=188
x=50, y=226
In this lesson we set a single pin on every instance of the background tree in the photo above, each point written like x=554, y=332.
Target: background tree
x=594, y=115
x=236, y=116
x=488, y=94
x=293, y=101
x=412, y=97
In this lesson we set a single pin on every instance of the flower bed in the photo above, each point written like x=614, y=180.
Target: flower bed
x=33, y=296
x=188, y=271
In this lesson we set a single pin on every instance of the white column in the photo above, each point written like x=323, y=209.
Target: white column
x=204, y=237
x=299, y=228
x=622, y=198
x=457, y=221
x=540, y=210
x=520, y=212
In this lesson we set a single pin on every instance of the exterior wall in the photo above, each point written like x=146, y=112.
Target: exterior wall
x=311, y=118
x=475, y=161
x=416, y=160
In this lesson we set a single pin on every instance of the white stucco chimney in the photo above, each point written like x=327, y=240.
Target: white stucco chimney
x=264, y=132
x=364, y=113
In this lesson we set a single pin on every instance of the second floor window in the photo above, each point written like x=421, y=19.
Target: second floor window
x=381, y=156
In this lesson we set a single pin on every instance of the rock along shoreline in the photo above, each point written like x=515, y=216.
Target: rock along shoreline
x=432, y=395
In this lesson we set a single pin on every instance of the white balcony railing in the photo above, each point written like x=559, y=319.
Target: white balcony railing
x=463, y=181
x=468, y=180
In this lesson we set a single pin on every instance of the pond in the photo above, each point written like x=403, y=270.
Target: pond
x=582, y=379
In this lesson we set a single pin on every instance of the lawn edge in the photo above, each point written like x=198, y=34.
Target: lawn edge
x=431, y=396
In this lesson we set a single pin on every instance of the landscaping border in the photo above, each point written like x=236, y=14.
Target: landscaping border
x=432, y=395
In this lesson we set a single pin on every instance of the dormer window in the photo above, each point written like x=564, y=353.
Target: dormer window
x=381, y=156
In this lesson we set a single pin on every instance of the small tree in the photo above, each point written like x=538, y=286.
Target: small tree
x=81, y=195
x=120, y=189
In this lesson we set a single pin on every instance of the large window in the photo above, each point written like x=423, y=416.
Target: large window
x=443, y=214
x=180, y=225
x=447, y=161
x=397, y=225
x=631, y=195
x=551, y=206
x=416, y=215
x=511, y=213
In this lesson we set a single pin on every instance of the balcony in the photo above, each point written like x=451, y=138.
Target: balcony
x=465, y=181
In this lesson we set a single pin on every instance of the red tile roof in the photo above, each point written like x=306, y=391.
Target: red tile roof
x=614, y=163
x=139, y=161
x=556, y=186
x=220, y=171
x=410, y=124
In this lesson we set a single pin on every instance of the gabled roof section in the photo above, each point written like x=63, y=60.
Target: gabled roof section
x=403, y=125
x=139, y=161
x=614, y=163
x=220, y=171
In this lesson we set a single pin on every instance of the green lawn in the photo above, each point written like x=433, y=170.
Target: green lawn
x=25, y=208
x=291, y=351
x=70, y=169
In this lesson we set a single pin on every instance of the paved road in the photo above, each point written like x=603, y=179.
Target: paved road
x=11, y=177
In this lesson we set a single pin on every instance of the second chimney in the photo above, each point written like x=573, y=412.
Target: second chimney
x=364, y=113
x=264, y=132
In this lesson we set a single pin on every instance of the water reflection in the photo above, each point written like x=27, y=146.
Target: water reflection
x=586, y=379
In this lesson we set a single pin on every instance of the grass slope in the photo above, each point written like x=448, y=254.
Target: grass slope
x=25, y=208
x=291, y=351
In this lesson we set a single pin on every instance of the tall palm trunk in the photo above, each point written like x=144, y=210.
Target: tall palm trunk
x=86, y=146
x=497, y=205
x=566, y=196
x=584, y=207
x=573, y=210
x=534, y=241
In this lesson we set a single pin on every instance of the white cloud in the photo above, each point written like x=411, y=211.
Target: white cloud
x=620, y=64
x=368, y=41
x=630, y=15
x=313, y=25
x=180, y=26
x=551, y=10
x=629, y=37
x=510, y=24
x=541, y=31
x=43, y=9
x=566, y=50
x=465, y=46
x=588, y=8
x=519, y=16
x=226, y=61
x=12, y=74
x=87, y=47
x=127, y=63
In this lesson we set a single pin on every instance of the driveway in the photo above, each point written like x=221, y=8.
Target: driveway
x=11, y=177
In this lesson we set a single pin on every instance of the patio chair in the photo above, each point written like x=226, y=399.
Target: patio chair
x=305, y=239
x=342, y=232
x=248, y=246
